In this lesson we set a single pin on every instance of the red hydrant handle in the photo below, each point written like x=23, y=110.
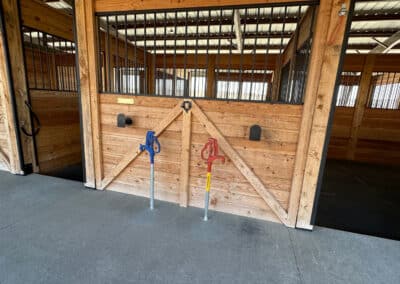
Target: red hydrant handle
x=212, y=147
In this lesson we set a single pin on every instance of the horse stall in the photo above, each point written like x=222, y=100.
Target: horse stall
x=48, y=110
x=247, y=85
x=359, y=191
x=237, y=74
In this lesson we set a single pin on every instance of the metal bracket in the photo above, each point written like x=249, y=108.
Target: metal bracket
x=186, y=105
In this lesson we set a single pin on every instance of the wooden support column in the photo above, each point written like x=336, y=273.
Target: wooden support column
x=324, y=61
x=361, y=102
x=150, y=66
x=185, y=157
x=11, y=155
x=276, y=79
x=210, y=91
x=18, y=77
x=53, y=72
x=86, y=40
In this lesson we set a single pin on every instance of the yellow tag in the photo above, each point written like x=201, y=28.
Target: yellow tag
x=126, y=101
x=208, y=184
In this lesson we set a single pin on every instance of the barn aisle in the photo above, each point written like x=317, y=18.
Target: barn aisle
x=56, y=231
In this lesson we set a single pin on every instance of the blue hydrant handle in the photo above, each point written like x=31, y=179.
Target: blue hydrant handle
x=158, y=145
x=151, y=138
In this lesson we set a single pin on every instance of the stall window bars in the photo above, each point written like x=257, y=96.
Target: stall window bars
x=225, y=53
x=348, y=89
x=385, y=90
x=49, y=60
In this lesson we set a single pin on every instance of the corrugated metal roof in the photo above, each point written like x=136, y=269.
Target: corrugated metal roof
x=285, y=18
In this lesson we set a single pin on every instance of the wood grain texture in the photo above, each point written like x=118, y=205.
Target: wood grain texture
x=378, y=138
x=58, y=143
x=132, y=155
x=120, y=5
x=44, y=18
x=85, y=91
x=15, y=48
x=319, y=103
x=271, y=159
x=8, y=141
x=185, y=157
x=360, y=105
x=244, y=169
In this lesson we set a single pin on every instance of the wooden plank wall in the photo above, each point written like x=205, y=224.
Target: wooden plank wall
x=58, y=142
x=271, y=159
x=4, y=140
x=378, y=137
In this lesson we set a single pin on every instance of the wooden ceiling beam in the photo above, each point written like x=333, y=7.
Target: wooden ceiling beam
x=387, y=45
x=250, y=20
x=44, y=18
x=248, y=35
x=123, y=5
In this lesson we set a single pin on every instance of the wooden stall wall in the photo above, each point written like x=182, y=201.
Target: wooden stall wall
x=55, y=101
x=271, y=159
x=58, y=142
x=378, y=137
x=4, y=137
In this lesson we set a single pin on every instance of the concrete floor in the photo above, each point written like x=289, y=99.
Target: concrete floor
x=360, y=198
x=55, y=231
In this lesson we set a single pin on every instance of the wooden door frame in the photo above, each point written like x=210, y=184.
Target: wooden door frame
x=316, y=128
x=15, y=157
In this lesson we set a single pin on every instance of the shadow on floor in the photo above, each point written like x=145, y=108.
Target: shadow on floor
x=360, y=198
x=72, y=172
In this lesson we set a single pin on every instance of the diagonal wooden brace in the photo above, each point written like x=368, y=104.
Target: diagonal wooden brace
x=241, y=165
x=131, y=156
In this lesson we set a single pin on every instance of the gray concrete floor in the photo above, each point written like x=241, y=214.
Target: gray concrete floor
x=55, y=231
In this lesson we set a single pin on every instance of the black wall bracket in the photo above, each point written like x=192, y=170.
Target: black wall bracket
x=255, y=133
x=186, y=105
x=123, y=120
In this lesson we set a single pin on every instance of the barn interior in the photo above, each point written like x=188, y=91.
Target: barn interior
x=359, y=191
x=302, y=98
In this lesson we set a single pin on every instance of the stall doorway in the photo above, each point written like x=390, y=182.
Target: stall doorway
x=360, y=189
x=51, y=70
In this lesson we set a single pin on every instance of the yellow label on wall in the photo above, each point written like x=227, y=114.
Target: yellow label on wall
x=126, y=101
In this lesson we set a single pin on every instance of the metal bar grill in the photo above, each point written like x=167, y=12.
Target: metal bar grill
x=348, y=89
x=173, y=53
x=385, y=90
x=50, y=61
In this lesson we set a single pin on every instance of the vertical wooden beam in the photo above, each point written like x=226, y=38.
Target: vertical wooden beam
x=9, y=119
x=185, y=157
x=86, y=37
x=18, y=75
x=150, y=74
x=276, y=80
x=53, y=71
x=361, y=102
x=324, y=61
x=210, y=91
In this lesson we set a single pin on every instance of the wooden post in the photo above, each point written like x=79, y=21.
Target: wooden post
x=18, y=75
x=185, y=157
x=8, y=116
x=276, y=79
x=210, y=91
x=86, y=40
x=361, y=102
x=149, y=73
x=324, y=61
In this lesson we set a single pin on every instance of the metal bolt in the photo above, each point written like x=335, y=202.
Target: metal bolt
x=343, y=11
